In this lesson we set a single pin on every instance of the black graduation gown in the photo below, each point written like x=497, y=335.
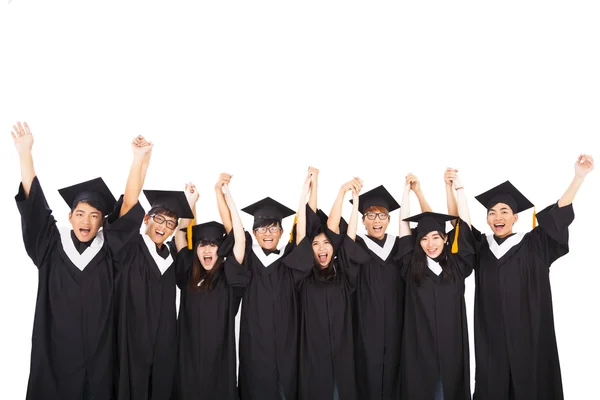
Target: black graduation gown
x=435, y=340
x=326, y=348
x=268, y=328
x=514, y=323
x=145, y=314
x=72, y=346
x=379, y=315
x=206, y=334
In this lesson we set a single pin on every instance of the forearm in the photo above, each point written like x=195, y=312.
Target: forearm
x=335, y=216
x=463, y=206
x=423, y=204
x=224, y=210
x=27, y=171
x=134, y=185
x=404, y=227
x=569, y=195
x=451, y=203
x=353, y=225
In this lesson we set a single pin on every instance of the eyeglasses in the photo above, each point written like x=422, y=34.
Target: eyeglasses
x=382, y=216
x=272, y=229
x=159, y=219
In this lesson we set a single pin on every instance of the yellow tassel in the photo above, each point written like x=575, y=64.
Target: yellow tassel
x=534, y=217
x=189, y=234
x=292, y=230
x=455, y=241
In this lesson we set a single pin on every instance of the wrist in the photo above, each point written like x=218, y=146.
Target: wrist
x=459, y=188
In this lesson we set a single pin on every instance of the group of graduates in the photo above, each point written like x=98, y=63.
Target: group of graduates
x=330, y=315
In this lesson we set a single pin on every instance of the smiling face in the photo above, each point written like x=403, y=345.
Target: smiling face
x=207, y=255
x=268, y=236
x=376, y=227
x=501, y=218
x=159, y=232
x=433, y=244
x=86, y=221
x=322, y=250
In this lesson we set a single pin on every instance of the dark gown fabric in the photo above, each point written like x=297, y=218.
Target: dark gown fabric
x=435, y=340
x=206, y=333
x=72, y=345
x=326, y=348
x=515, y=343
x=145, y=313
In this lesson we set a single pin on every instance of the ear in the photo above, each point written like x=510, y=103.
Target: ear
x=146, y=218
x=70, y=215
x=516, y=217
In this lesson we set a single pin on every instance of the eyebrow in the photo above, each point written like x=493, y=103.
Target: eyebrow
x=92, y=212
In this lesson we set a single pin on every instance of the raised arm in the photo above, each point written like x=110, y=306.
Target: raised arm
x=335, y=216
x=463, y=206
x=583, y=166
x=192, y=195
x=142, y=151
x=415, y=186
x=312, y=200
x=353, y=224
x=239, y=236
x=404, y=229
x=24, y=142
x=224, y=179
x=301, y=216
x=451, y=203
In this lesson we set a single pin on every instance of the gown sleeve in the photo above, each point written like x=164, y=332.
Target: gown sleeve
x=550, y=239
x=40, y=233
x=119, y=230
x=351, y=256
x=300, y=260
x=183, y=266
x=238, y=275
x=464, y=259
x=406, y=245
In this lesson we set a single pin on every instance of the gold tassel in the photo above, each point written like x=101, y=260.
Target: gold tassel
x=534, y=217
x=292, y=230
x=189, y=234
x=455, y=241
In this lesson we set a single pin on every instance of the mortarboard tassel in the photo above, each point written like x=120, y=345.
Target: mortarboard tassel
x=455, y=241
x=189, y=234
x=534, y=217
x=292, y=230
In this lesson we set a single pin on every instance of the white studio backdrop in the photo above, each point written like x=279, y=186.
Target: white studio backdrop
x=262, y=90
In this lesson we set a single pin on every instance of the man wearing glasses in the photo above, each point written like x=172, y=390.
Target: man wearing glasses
x=145, y=284
x=380, y=299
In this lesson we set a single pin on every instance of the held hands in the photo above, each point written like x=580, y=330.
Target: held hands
x=141, y=147
x=413, y=182
x=451, y=178
x=355, y=185
x=22, y=137
x=223, y=181
x=584, y=165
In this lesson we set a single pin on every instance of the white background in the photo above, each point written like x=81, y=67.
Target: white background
x=262, y=90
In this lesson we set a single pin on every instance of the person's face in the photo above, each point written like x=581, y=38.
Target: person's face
x=322, y=250
x=86, y=221
x=376, y=221
x=268, y=236
x=501, y=219
x=207, y=255
x=433, y=244
x=159, y=227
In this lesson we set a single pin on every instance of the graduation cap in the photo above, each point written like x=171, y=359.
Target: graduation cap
x=268, y=209
x=377, y=197
x=508, y=194
x=212, y=231
x=323, y=218
x=94, y=190
x=174, y=201
x=429, y=221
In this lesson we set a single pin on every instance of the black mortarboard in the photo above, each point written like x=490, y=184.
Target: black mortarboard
x=94, y=190
x=174, y=201
x=377, y=197
x=323, y=218
x=268, y=208
x=505, y=193
x=209, y=231
x=430, y=221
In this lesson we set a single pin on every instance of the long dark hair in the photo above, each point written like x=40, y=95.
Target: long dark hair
x=326, y=274
x=419, y=265
x=199, y=274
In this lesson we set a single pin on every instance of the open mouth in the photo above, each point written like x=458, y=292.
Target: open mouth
x=499, y=226
x=84, y=231
x=159, y=233
x=322, y=257
x=207, y=259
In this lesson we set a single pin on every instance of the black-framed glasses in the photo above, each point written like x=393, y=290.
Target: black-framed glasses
x=159, y=219
x=382, y=215
x=263, y=229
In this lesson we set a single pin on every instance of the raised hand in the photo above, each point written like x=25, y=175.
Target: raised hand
x=449, y=175
x=191, y=193
x=22, y=137
x=413, y=181
x=355, y=185
x=584, y=165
